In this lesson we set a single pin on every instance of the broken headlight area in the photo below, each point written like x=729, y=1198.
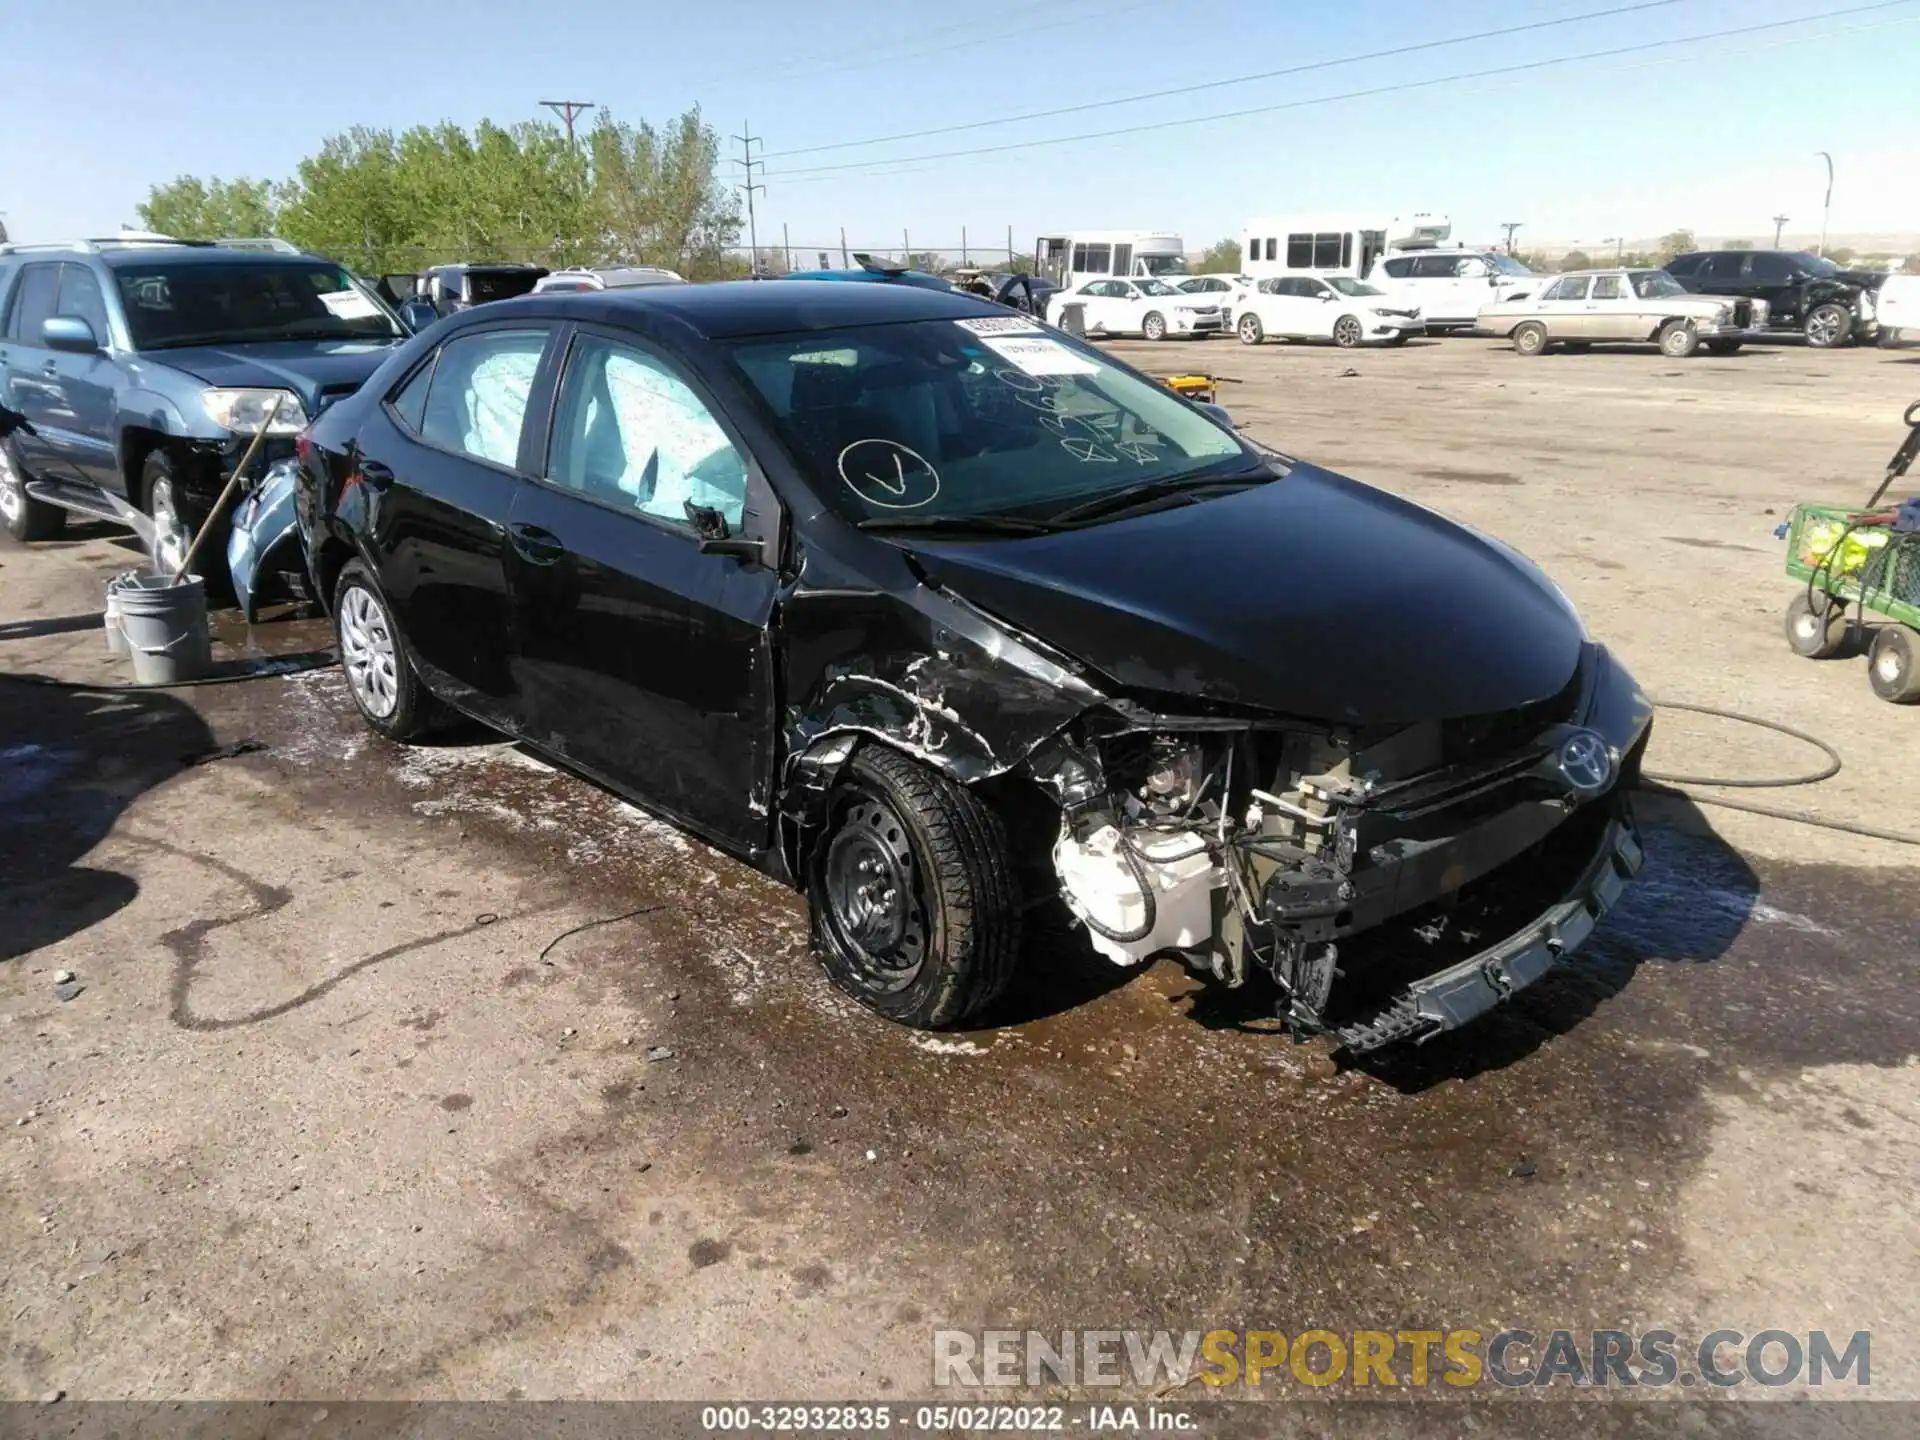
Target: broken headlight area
x=1253, y=845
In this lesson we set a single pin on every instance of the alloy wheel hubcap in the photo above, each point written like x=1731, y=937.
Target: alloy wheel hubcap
x=872, y=904
x=1823, y=328
x=170, y=539
x=368, y=653
x=1346, y=332
x=13, y=499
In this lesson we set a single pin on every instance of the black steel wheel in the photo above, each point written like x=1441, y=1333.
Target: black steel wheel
x=1893, y=665
x=914, y=905
x=1817, y=627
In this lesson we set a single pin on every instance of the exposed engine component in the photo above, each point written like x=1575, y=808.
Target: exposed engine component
x=1140, y=892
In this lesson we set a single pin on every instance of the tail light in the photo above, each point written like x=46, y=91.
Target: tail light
x=303, y=444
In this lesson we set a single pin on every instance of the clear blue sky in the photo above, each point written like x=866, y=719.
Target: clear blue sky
x=101, y=100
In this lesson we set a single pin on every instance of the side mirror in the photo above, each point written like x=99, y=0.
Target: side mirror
x=716, y=539
x=1327, y=296
x=417, y=314
x=69, y=333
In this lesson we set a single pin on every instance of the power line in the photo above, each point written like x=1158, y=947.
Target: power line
x=1235, y=80
x=569, y=111
x=1401, y=86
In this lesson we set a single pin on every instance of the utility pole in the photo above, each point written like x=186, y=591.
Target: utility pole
x=1778, y=222
x=569, y=111
x=746, y=162
x=1619, y=243
x=845, y=263
x=1827, y=207
x=1510, y=226
x=786, y=245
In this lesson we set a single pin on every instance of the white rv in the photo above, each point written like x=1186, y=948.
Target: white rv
x=1334, y=245
x=1083, y=255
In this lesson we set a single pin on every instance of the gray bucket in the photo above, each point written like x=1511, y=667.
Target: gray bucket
x=116, y=636
x=165, y=627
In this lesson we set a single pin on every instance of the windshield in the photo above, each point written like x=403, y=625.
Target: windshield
x=1505, y=264
x=933, y=420
x=1348, y=286
x=1163, y=264
x=240, y=300
x=1156, y=287
x=1813, y=264
x=1655, y=284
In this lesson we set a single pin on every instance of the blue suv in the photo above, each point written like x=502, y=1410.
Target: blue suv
x=145, y=368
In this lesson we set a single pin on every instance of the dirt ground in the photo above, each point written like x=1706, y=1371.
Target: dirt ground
x=437, y=1073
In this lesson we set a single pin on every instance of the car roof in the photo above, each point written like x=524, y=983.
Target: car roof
x=204, y=255
x=735, y=308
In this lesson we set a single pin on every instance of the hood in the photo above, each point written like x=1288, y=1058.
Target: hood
x=1313, y=596
x=310, y=368
x=1865, y=279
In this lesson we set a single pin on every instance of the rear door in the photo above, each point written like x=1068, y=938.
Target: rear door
x=1564, y=308
x=1612, y=310
x=1775, y=278
x=444, y=457
x=644, y=661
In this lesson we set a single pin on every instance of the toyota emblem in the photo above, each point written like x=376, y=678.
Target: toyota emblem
x=1585, y=762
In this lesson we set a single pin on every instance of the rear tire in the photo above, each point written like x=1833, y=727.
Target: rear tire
x=21, y=516
x=377, y=662
x=1828, y=326
x=1893, y=665
x=1250, y=331
x=914, y=905
x=1154, y=326
x=1816, y=628
x=1530, y=339
x=1678, y=340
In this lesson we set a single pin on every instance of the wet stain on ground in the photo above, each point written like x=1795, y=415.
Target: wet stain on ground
x=1472, y=477
x=1698, y=543
x=703, y=1253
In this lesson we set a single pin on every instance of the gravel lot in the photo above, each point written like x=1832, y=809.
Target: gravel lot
x=348, y=1105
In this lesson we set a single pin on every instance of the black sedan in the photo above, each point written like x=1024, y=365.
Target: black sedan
x=940, y=614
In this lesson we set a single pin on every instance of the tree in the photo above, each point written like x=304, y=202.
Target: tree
x=1840, y=255
x=192, y=209
x=1220, y=258
x=1576, y=260
x=1676, y=243
x=657, y=197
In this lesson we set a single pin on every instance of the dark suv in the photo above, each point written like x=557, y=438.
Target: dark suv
x=1803, y=291
x=144, y=369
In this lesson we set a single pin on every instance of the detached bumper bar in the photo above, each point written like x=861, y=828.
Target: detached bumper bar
x=1450, y=998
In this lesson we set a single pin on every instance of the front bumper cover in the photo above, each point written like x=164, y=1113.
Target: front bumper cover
x=1468, y=989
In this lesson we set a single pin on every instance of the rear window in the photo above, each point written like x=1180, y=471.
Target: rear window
x=485, y=286
x=228, y=301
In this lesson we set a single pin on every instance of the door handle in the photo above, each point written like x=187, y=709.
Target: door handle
x=535, y=545
x=49, y=367
x=375, y=474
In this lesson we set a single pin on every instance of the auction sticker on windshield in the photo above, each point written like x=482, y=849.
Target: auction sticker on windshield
x=1000, y=325
x=348, y=305
x=1039, y=355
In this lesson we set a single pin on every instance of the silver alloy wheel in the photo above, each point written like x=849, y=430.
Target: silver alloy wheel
x=13, y=497
x=368, y=653
x=170, y=539
x=1823, y=326
x=1346, y=332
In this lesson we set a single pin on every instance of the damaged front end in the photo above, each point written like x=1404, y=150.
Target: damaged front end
x=1393, y=881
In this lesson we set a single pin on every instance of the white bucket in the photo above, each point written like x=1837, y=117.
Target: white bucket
x=165, y=627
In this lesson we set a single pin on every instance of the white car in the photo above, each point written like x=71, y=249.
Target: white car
x=1645, y=306
x=1230, y=292
x=1451, y=287
x=1336, y=307
x=1897, y=307
x=1146, y=307
x=608, y=277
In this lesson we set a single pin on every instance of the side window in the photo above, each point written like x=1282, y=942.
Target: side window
x=1079, y=266
x=478, y=397
x=1299, y=252
x=410, y=401
x=1100, y=259
x=1122, y=259
x=1272, y=243
x=1684, y=265
x=631, y=433
x=1573, y=287
x=1764, y=269
x=80, y=298
x=1400, y=267
x=1253, y=252
x=1435, y=267
x=1606, y=287
x=1724, y=266
x=1326, y=250
x=34, y=301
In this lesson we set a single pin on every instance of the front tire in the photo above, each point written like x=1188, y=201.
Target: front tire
x=173, y=527
x=21, y=516
x=1817, y=627
x=1678, y=340
x=1893, y=665
x=1530, y=339
x=1828, y=326
x=1723, y=347
x=373, y=653
x=1154, y=327
x=1250, y=331
x=1347, y=332
x=915, y=909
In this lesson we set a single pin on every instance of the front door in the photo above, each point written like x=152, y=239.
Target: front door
x=444, y=459
x=1565, y=308
x=1613, y=310
x=30, y=380
x=645, y=661
x=86, y=384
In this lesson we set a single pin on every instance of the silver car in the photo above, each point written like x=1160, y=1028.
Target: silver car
x=1588, y=307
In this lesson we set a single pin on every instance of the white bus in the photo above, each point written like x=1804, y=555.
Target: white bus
x=1334, y=245
x=1069, y=259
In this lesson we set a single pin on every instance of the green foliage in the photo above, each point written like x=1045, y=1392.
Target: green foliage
x=1220, y=258
x=1575, y=260
x=391, y=203
x=1675, y=243
x=1840, y=255
x=193, y=209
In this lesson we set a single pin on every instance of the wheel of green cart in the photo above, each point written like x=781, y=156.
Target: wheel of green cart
x=1816, y=626
x=1893, y=665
